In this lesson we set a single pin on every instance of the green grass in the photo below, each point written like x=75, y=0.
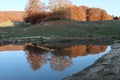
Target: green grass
x=70, y=29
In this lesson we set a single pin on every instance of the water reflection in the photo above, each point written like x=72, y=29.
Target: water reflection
x=35, y=58
x=59, y=58
x=80, y=50
x=58, y=62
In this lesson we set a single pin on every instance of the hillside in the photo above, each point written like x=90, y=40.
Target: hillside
x=65, y=28
x=79, y=13
x=11, y=16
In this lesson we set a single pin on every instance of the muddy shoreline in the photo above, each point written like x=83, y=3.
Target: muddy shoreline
x=105, y=68
x=57, y=40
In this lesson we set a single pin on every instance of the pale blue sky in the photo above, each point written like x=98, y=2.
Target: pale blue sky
x=111, y=6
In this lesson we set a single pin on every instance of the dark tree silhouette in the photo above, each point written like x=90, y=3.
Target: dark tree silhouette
x=115, y=18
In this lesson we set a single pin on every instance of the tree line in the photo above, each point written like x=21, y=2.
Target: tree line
x=36, y=11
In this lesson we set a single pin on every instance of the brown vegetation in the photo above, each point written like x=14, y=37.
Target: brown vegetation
x=70, y=12
x=81, y=13
x=37, y=12
x=97, y=14
x=85, y=8
x=34, y=11
x=11, y=16
x=35, y=18
x=81, y=50
x=119, y=18
x=73, y=13
x=63, y=9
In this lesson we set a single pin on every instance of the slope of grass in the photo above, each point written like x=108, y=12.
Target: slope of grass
x=66, y=28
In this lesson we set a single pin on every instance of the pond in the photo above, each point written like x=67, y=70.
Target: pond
x=28, y=62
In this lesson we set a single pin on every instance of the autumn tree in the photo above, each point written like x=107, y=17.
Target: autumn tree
x=33, y=10
x=75, y=13
x=85, y=8
x=58, y=8
x=93, y=14
x=55, y=5
x=104, y=15
x=97, y=14
x=119, y=18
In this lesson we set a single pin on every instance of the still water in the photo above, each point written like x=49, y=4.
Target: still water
x=33, y=63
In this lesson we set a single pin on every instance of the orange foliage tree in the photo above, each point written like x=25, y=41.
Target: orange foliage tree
x=75, y=13
x=34, y=11
x=70, y=12
x=93, y=14
x=85, y=8
x=97, y=14
x=62, y=9
x=119, y=18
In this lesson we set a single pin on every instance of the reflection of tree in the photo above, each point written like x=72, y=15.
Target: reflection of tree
x=36, y=61
x=60, y=63
x=35, y=57
x=81, y=50
x=60, y=59
x=62, y=56
x=94, y=49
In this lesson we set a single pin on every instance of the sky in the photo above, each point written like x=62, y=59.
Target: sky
x=111, y=6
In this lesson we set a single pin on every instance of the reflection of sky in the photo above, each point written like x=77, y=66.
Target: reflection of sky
x=14, y=66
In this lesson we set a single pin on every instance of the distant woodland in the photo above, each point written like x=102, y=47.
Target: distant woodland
x=36, y=11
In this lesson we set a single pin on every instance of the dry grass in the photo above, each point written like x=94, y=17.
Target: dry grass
x=7, y=24
x=13, y=24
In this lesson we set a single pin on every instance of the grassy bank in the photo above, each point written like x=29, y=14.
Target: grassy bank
x=65, y=28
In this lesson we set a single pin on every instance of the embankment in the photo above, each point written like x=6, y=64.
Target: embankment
x=106, y=68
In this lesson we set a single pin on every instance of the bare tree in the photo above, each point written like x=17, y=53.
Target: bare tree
x=34, y=6
x=55, y=5
x=33, y=9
